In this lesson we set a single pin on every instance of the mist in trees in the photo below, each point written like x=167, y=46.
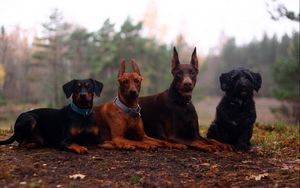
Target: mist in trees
x=65, y=51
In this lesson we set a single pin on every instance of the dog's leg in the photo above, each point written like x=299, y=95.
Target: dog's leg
x=164, y=143
x=203, y=146
x=77, y=148
x=107, y=145
x=68, y=144
x=122, y=143
x=219, y=145
x=226, y=147
x=243, y=141
x=28, y=145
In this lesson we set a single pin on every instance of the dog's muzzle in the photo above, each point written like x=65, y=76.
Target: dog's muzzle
x=133, y=94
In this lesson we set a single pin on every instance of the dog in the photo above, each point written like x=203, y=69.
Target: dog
x=171, y=116
x=236, y=114
x=120, y=121
x=64, y=128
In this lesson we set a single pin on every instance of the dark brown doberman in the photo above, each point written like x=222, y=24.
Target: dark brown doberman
x=171, y=116
x=119, y=121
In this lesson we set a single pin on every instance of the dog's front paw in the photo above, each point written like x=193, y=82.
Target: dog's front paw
x=220, y=145
x=106, y=145
x=125, y=146
x=228, y=147
x=152, y=147
x=242, y=147
x=179, y=146
x=205, y=147
x=213, y=148
x=78, y=149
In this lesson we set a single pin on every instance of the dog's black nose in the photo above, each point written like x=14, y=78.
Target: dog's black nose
x=82, y=95
x=187, y=84
x=132, y=93
x=243, y=86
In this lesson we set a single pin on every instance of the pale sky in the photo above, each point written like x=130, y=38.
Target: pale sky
x=202, y=22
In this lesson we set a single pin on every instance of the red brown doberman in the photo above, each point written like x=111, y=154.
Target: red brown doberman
x=120, y=121
x=171, y=116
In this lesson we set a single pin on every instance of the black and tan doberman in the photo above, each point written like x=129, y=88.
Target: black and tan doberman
x=68, y=128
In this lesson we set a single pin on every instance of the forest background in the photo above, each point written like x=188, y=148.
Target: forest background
x=34, y=68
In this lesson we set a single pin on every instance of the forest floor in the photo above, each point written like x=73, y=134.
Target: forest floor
x=273, y=162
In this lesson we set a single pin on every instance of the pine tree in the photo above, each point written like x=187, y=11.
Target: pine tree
x=50, y=52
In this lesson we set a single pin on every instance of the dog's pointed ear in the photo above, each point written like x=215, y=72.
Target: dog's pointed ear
x=175, y=60
x=122, y=68
x=135, y=67
x=68, y=88
x=98, y=86
x=224, y=81
x=257, y=81
x=194, y=59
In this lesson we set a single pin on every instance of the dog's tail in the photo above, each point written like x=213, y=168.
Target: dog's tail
x=9, y=140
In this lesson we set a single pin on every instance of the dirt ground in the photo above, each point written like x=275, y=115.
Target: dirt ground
x=273, y=163
x=45, y=167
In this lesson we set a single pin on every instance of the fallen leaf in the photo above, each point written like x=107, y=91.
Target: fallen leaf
x=97, y=158
x=257, y=177
x=77, y=176
x=23, y=183
x=205, y=164
x=214, y=169
x=285, y=167
x=245, y=162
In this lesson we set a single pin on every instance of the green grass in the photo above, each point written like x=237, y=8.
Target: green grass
x=135, y=179
x=6, y=124
x=276, y=140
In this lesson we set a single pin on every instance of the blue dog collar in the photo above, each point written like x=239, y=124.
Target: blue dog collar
x=83, y=112
x=134, y=112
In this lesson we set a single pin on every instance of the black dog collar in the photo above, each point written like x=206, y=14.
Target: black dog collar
x=133, y=112
x=83, y=112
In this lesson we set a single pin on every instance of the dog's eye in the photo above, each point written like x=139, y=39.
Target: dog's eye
x=88, y=86
x=125, y=81
x=193, y=74
x=136, y=81
x=179, y=74
x=77, y=86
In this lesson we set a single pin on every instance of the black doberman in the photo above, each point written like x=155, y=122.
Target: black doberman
x=68, y=128
x=171, y=116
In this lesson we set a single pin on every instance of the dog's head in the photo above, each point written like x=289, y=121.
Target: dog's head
x=185, y=75
x=240, y=83
x=130, y=83
x=82, y=91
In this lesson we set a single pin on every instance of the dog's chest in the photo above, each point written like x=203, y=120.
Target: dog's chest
x=134, y=129
x=238, y=111
x=237, y=107
x=83, y=126
x=182, y=116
